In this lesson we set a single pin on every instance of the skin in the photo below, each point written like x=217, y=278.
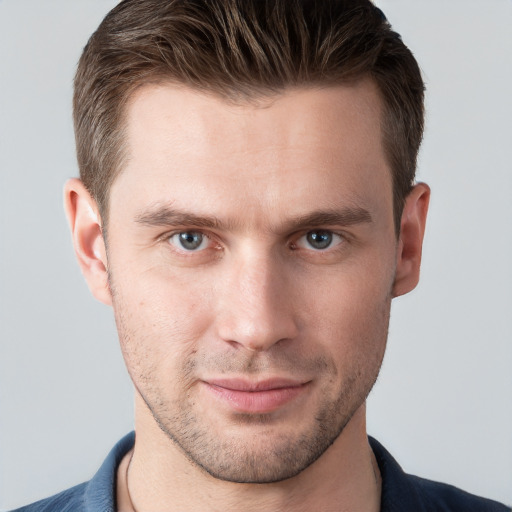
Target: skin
x=258, y=303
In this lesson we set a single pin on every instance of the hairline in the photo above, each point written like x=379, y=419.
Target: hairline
x=256, y=97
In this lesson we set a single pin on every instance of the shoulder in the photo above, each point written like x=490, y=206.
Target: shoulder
x=447, y=498
x=96, y=495
x=402, y=492
x=70, y=500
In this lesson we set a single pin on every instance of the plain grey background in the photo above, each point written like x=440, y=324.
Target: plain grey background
x=443, y=403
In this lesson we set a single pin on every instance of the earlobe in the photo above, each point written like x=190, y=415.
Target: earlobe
x=410, y=244
x=86, y=231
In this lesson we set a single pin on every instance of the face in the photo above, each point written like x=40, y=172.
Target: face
x=252, y=256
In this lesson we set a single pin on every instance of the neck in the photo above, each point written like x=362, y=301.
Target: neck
x=160, y=477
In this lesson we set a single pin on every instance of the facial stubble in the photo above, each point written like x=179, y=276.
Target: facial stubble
x=250, y=448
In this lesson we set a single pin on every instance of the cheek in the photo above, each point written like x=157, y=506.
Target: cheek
x=159, y=320
x=163, y=298
x=351, y=315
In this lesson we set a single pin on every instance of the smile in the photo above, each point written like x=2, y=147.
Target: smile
x=255, y=397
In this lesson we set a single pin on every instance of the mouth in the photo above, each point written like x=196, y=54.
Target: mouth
x=258, y=397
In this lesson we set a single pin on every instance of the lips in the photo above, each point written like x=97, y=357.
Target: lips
x=255, y=397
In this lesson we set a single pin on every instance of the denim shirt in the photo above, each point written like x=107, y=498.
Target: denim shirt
x=400, y=492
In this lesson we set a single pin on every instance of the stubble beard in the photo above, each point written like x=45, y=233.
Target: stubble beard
x=267, y=457
x=271, y=455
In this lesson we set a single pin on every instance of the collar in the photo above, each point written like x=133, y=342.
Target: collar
x=400, y=492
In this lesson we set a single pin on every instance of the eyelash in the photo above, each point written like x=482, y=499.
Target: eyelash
x=329, y=248
x=293, y=245
x=168, y=236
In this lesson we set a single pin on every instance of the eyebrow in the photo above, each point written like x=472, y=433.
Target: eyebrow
x=347, y=216
x=166, y=215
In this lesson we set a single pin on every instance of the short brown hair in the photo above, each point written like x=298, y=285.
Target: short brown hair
x=242, y=49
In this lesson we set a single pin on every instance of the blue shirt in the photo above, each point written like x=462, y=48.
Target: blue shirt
x=400, y=492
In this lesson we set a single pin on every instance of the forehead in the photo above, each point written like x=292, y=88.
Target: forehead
x=183, y=143
x=315, y=116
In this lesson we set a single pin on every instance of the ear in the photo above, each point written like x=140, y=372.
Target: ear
x=412, y=229
x=85, y=224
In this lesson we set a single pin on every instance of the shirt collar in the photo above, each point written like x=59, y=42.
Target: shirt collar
x=100, y=493
x=398, y=494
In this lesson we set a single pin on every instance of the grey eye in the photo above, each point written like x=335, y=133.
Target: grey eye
x=319, y=239
x=189, y=241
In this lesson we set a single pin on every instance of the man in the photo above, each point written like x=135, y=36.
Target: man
x=247, y=206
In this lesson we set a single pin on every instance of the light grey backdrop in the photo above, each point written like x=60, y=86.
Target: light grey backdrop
x=443, y=403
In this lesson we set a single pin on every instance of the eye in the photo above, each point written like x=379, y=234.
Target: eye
x=189, y=241
x=319, y=240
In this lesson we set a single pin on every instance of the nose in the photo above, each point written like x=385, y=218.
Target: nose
x=255, y=305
